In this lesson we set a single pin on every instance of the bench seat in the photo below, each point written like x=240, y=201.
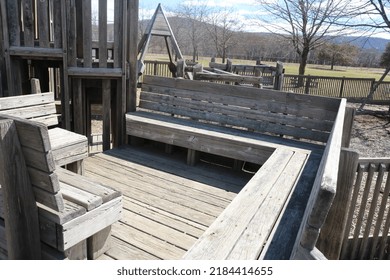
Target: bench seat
x=224, y=141
x=296, y=140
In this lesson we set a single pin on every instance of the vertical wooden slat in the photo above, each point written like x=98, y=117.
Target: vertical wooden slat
x=43, y=23
x=333, y=231
x=372, y=210
x=20, y=211
x=132, y=25
x=87, y=33
x=57, y=23
x=13, y=19
x=106, y=94
x=118, y=32
x=385, y=232
x=28, y=21
x=362, y=208
x=381, y=213
x=102, y=33
x=70, y=32
x=78, y=112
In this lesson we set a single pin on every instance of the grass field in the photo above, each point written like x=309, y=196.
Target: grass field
x=292, y=68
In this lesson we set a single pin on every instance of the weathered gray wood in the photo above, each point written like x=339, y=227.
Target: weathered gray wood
x=219, y=239
x=324, y=188
x=43, y=23
x=106, y=93
x=36, y=53
x=99, y=243
x=87, y=33
x=28, y=23
x=132, y=38
x=103, y=33
x=348, y=125
x=333, y=231
x=20, y=215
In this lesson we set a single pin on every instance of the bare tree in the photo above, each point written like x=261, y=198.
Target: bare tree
x=333, y=53
x=306, y=23
x=222, y=25
x=195, y=14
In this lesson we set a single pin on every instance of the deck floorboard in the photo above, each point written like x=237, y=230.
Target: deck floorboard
x=167, y=204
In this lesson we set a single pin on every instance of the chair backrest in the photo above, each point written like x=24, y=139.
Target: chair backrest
x=35, y=143
x=39, y=107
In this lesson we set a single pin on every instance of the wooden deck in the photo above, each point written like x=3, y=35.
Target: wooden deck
x=167, y=204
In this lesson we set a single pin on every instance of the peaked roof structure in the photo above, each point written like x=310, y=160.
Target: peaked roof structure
x=158, y=26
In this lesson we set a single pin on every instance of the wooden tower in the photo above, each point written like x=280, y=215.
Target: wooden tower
x=85, y=51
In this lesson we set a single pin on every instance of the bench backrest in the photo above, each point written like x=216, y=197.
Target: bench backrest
x=39, y=107
x=259, y=110
x=34, y=140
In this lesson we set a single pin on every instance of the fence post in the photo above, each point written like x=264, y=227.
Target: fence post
x=307, y=84
x=332, y=233
x=342, y=87
x=279, y=76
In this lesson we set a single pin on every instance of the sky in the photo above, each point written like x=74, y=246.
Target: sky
x=247, y=11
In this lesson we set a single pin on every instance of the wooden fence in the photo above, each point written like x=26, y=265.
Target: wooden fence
x=368, y=220
x=357, y=226
x=354, y=89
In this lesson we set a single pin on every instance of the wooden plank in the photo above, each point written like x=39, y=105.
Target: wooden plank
x=328, y=104
x=52, y=200
x=103, y=33
x=331, y=236
x=144, y=187
x=12, y=11
x=223, y=234
x=93, y=221
x=132, y=39
x=14, y=102
x=239, y=109
x=202, y=178
x=147, y=243
x=89, y=72
x=28, y=23
x=43, y=23
x=255, y=101
x=165, y=218
x=71, y=211
x=153, y=228
x=88, y=184
x=87, y=200
x=36, y=53
x=20, y=215
x=164, y=183
x=258, y=231
x=57, y=24
x=87, y=33
x=123, y=251
x=43, y=180
x=106, y=93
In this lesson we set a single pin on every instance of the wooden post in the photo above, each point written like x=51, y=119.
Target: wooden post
x=347, y=128
x=20, y=210
x=332, y=233
x=342, y=87
x=35, y=86
x=106, y=95
x=132, y=39
x=279, y=76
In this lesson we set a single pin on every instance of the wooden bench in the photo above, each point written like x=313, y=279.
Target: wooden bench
x=75, y=213
x=68, y=148
x=295, y=138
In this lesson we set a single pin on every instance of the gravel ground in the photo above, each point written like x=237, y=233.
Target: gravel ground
x=371, y=131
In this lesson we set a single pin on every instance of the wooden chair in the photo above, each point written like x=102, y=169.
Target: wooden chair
x=74, y=212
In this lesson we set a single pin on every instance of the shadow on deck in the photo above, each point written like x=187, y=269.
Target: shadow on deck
x=167, y=204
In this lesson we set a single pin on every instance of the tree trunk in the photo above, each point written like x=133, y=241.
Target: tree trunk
x=303, y=62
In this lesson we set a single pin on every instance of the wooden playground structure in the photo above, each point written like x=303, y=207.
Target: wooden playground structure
x=190, y=169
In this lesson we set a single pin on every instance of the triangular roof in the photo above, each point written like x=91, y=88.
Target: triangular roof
x=158, y=26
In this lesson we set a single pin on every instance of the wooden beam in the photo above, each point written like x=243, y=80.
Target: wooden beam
x=132, y=55
x=20, y=211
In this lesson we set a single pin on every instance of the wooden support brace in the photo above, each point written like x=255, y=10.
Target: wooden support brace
x=192, y=157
